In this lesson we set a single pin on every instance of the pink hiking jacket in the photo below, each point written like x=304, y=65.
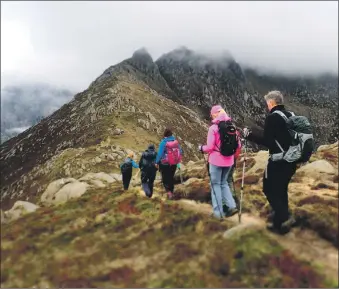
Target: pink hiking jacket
x=213, y=143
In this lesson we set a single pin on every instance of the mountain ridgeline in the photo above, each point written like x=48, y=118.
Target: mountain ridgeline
x=131, y=103
x=199, y=81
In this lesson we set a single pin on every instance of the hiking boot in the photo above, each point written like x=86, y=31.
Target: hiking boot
x=169, y=195
x=291, y=222
x=270, y=217
x=282, y=230
x=231, y=212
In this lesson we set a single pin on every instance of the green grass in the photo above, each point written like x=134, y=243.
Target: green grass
x=140, y=243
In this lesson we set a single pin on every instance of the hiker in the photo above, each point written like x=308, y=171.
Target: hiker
x=222, y=144
x=148, y=170
x=277, y=174
x=168, y=157
x=126, y=170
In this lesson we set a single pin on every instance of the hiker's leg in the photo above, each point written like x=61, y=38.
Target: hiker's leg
x=215, y=175
x=165, y=177
x=126, y=179
x=286, y=172
x=145, y=188
x=171, y=180
x=268, y=186
x=144, y=182
x=151, y=181
x=277, y=179
x=225, y=190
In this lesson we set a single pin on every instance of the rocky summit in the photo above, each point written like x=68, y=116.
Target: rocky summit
x=63, y=206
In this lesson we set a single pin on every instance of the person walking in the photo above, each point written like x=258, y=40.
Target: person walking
x=221, y=146
x=169, y=155
x=148, y=170
x=126, y=170
x=277, y=175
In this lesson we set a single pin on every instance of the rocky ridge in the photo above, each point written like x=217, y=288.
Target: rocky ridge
x=94, y=132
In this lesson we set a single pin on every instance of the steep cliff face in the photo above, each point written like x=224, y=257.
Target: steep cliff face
x=200, y=81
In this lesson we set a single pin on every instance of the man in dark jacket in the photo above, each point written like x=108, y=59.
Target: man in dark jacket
x=148, y=170
x=277, y=174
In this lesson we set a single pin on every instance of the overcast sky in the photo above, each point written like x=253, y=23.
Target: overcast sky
x=71, y=43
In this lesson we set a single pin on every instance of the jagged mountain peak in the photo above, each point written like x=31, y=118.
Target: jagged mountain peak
x=198, y=58
x=143, y=53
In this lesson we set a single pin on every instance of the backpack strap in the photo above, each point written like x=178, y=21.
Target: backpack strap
x=278, y=144
x=286, y=119
x=281, y=114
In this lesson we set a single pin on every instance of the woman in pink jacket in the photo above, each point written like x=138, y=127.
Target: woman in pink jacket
x=219, y=166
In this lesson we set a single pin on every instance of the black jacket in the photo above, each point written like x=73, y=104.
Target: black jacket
x=275, y=129
x=147, y=160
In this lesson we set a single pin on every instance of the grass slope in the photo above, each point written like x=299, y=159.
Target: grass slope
x=108, y=238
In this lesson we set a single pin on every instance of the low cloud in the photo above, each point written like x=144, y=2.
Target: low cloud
x=72, y=43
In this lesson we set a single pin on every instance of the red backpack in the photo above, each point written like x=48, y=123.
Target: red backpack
x=172, y=153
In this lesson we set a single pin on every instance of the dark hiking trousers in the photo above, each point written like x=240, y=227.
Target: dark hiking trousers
x=275, y=186
x=126, y=179
x=167, y=174
x=147, y=181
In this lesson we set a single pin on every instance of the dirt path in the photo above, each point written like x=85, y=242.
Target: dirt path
x=305, y=244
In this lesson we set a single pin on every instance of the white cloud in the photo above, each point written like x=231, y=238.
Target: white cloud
x=73, y=42
x=16, y=46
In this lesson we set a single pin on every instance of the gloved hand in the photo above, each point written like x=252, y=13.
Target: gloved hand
x=246, y=132
x=200, y=148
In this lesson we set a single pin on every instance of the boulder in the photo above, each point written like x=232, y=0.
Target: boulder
x=70, y=191
x=317, y=169
x=117, y=177
x=98, y=176
x=327, y=147
x=96, y=183
x=53, y=188
x=144, y=123
x=19, y=209
x=260, y=162
x=118, y=131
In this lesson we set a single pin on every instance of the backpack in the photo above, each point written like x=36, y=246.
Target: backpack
x=172, y=153
x=148, y=159
x=126, y=166
x=302, y=140
x=228, y=138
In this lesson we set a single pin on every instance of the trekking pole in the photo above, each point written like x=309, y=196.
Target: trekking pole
x=242, y=180
x=215, y=196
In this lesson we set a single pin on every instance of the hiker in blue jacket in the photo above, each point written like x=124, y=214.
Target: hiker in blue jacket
x=126, y=169
x=169, y=155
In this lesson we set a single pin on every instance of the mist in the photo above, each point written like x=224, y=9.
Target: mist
x=71, y=43
x=23, y=105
